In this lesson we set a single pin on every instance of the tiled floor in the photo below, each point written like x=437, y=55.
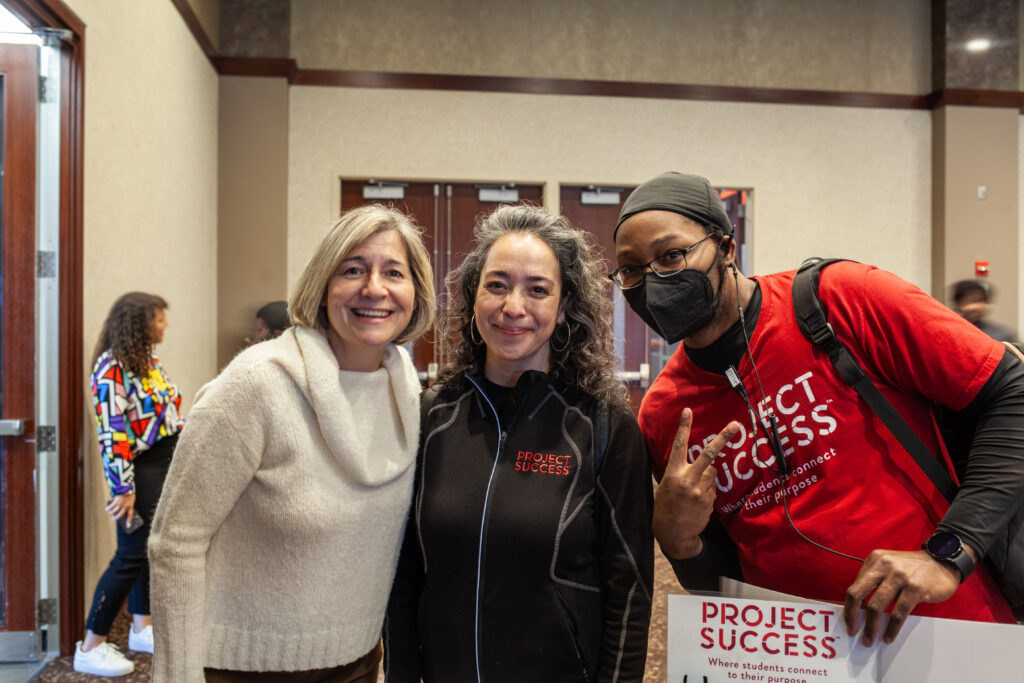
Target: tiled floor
x=19, y=673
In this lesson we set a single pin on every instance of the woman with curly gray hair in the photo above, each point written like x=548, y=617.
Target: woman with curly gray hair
x=529, y=553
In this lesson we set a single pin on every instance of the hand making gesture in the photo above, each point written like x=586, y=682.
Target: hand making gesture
x=685, y=498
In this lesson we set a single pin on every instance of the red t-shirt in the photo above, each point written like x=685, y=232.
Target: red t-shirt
x=851, y=487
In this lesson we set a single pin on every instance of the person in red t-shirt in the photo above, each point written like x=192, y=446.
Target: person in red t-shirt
x=804, y=490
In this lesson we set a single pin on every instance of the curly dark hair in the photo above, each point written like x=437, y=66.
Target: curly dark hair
x=582, y=350
x=127, y=330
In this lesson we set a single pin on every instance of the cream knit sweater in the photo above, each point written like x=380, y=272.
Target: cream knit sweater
x=277, y=534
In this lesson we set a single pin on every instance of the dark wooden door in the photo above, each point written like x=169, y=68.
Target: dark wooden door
x=421, y=200
x=633, y=338
x=463, y=208
x=18, y=84
x=735, y=203
x=635, y=342
x=447, y=212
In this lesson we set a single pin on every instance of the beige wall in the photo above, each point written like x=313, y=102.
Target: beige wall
x=150, y=200
x=981, y=148
x=870, y=45
x=1020, y=224
x=826, y=181
x=253, y=203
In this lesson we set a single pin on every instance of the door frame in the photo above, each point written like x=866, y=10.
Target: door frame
x=56, y=15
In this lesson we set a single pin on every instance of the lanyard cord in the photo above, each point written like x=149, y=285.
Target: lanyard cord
x=771, y=429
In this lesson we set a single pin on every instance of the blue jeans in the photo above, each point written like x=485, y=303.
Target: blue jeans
x=128, y=573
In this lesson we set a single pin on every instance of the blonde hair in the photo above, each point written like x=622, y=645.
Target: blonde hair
x=305, y=305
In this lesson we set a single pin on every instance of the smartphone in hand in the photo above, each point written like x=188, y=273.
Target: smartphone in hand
x=122, y=521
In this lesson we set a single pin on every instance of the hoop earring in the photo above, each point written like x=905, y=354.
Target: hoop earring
x=472, y=326
x=568, y=340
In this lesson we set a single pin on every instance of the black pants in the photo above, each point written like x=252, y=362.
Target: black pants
x=128, y=573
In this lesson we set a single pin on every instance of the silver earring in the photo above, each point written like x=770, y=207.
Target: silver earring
x=472, y=326
x=568, y=339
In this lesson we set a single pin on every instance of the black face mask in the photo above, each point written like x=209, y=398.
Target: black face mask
x=677, y=305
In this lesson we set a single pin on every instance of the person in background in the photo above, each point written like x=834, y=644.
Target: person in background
x=271, y=320
x=804, y=490
x=275, y=543
x=138, y=420
x=971, y=299
x=529, y=555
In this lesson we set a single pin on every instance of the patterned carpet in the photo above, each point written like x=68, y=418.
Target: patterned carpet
x=60, y=670
x=665, y=583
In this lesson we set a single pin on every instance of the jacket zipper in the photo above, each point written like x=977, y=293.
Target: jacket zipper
x=570, y=624
x=502, y=435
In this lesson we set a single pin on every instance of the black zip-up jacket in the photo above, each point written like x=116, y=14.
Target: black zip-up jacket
x=521, y=562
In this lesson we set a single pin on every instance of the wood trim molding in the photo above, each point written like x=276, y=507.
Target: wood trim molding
x=976, y=98
x=71, y=277
x=567, y=86
x=196, y=27
x=48, y=13
x=55, y=14
x=287, y=68
x=256, y=66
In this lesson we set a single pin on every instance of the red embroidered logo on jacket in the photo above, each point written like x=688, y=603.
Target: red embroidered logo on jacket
x=543, y=463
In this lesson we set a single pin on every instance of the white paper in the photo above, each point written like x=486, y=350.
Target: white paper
x=788, y=641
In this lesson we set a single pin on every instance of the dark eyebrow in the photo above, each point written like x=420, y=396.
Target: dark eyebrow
x=657, y=245
x=661, y=241
x=530, y=278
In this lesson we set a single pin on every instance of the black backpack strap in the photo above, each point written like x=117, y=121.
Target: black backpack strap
x=600, y=434
x=813, y=322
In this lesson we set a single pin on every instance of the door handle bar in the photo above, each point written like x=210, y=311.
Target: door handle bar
x=12, y=427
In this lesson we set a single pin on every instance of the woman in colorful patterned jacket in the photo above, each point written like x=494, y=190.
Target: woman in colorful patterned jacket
x=138, y=423
x=529, y=555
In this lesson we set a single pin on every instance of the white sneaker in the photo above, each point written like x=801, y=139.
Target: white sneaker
x=103, y=660
x=141, y=641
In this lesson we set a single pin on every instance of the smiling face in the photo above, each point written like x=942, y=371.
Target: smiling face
x=518, y=303
x=157, y=327
x=369, y=301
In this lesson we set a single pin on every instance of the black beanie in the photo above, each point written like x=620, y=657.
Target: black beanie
x=688, y=195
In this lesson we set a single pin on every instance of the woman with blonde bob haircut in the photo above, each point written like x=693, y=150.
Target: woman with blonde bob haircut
x=277, y=535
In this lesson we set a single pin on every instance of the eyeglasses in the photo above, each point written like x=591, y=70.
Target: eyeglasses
x=669, y=263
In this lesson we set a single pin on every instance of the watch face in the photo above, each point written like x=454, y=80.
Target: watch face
x=943, y=544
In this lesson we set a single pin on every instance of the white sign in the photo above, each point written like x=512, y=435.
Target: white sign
x=712, y=640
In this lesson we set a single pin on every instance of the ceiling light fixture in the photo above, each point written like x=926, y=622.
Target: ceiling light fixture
x=978, y=45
